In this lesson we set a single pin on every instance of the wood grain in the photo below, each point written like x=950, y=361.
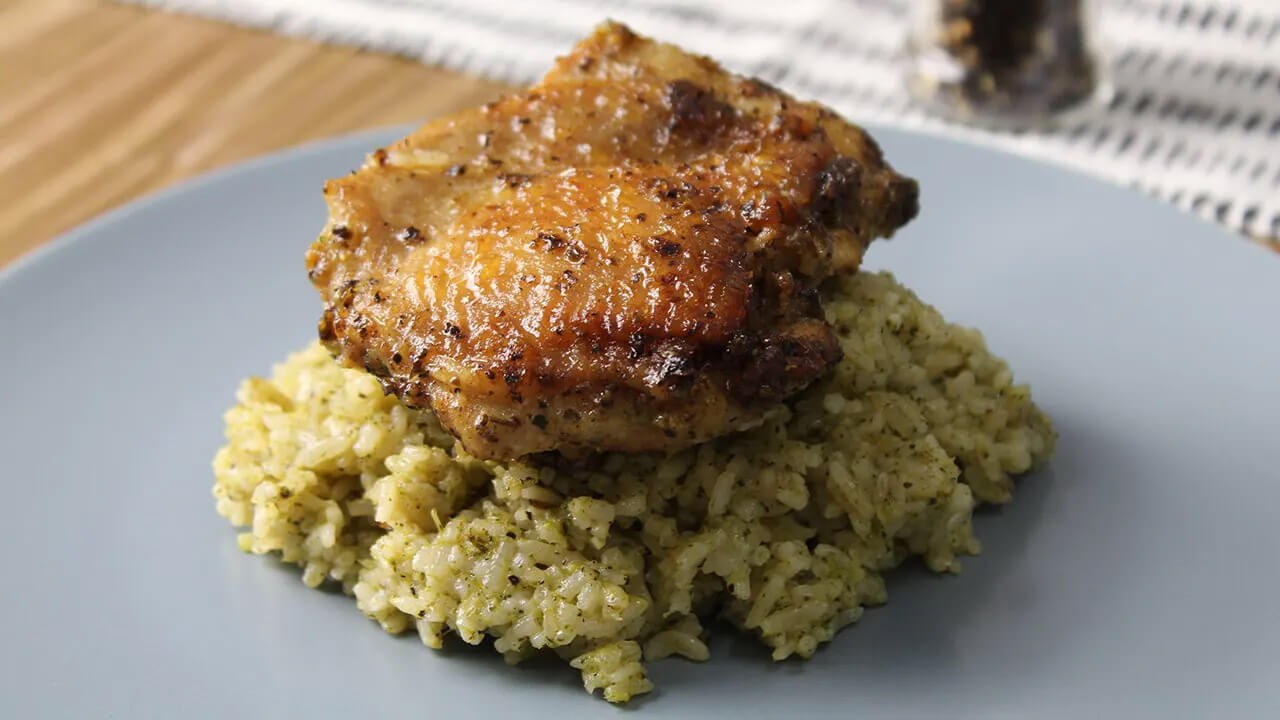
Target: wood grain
x=101, y=103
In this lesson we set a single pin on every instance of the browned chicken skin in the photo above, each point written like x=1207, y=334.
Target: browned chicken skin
x=624, y=257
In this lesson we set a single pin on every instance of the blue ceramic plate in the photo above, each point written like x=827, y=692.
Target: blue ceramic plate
x=1136, y=576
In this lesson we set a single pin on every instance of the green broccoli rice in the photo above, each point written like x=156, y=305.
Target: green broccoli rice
x=785, y=530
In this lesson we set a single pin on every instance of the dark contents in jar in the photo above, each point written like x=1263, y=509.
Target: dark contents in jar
x=996, y=34
x=1015, y=55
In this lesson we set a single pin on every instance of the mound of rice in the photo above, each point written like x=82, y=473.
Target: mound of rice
x=784, y=530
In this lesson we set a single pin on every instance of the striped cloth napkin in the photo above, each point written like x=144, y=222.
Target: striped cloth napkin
x=1194, y=119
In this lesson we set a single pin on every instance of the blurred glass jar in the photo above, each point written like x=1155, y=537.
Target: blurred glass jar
x=1004, y=62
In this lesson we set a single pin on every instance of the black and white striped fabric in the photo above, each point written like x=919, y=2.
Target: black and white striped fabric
x=1195, y=116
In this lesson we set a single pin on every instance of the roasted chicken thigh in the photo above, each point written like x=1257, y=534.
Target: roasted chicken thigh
x=626, y=256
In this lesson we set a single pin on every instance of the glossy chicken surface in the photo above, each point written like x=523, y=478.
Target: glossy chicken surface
x=624, y=257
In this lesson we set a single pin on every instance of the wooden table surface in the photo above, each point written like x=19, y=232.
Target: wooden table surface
x=101, y=103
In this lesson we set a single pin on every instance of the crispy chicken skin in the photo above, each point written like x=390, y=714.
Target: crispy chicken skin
x=626, y=256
